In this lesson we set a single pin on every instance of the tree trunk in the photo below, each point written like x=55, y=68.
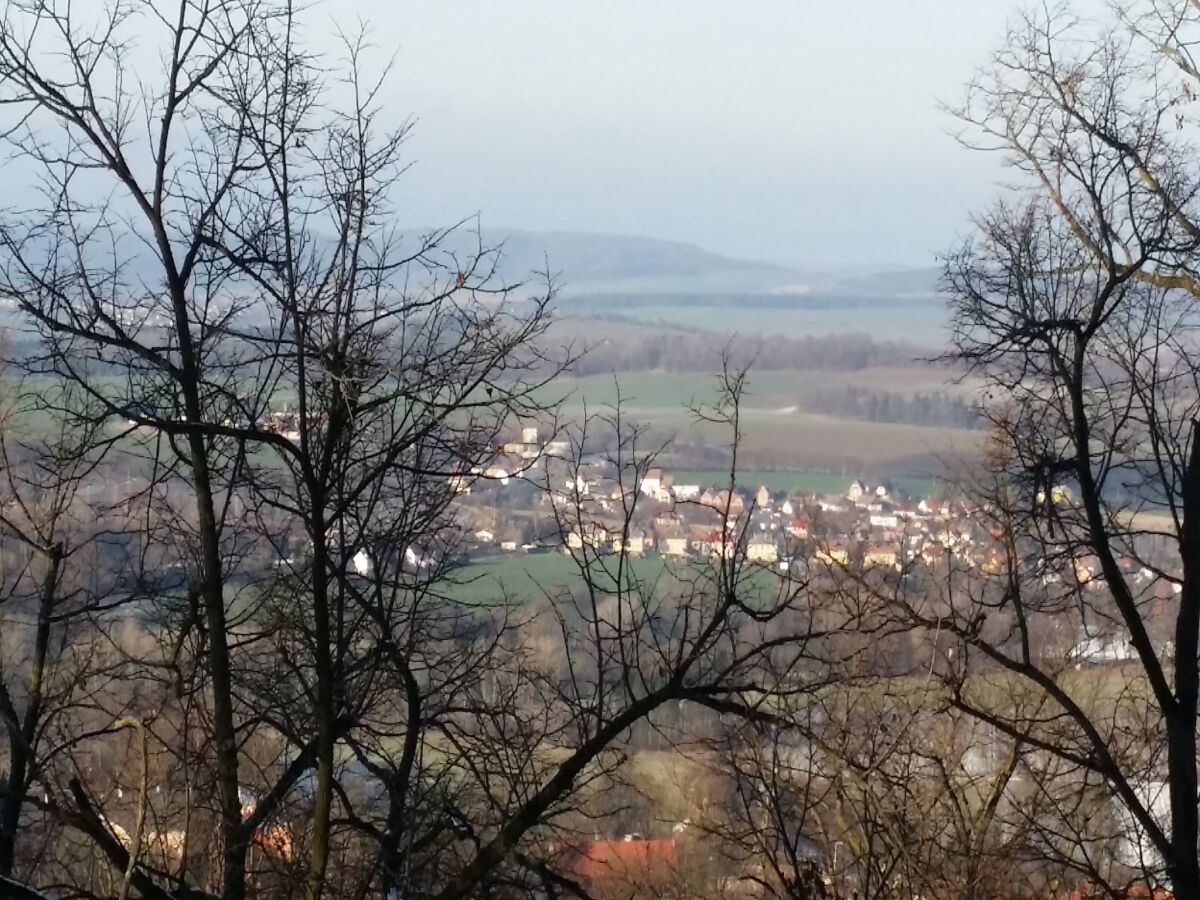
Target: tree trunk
x=21, y=749
x=235, y=841
x=1184, y=866
x=323, y=664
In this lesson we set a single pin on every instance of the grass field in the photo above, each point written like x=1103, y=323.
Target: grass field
x=924, y=324
x=672, y=392
x=805, y=482
x=522, y=578
x=777, y=433
x=529, y=576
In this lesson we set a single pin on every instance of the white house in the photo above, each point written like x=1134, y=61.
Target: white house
x=651, y=483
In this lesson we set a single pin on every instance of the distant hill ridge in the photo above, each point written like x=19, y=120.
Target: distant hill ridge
x=591, y=263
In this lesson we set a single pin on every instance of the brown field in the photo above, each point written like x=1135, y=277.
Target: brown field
x=777, y=431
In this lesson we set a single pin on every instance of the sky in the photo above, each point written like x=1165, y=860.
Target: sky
x=802, y=131
x=805, y=132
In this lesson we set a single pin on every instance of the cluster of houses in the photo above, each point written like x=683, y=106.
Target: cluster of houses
x=863, y=527
x=652, y=512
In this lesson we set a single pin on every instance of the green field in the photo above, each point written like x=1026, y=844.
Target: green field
x=924, y=325
x=802, y=482
x=672, y=392
x=522, y=577
x=778, y=434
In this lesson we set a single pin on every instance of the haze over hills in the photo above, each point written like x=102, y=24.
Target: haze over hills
x=589, y=263
x=680, y=285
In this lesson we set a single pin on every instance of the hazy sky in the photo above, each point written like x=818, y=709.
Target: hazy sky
x=798, y=130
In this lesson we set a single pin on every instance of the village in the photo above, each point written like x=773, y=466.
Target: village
x=533, y=499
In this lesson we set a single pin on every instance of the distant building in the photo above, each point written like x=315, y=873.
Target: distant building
x=686, y=491
x=652, y=482
x=762, y=549
x=837, y=554
x=673, y=545
x=799, y=529
x=883, y=555
x=718, y=544
x=633, y=545
x=632, y=867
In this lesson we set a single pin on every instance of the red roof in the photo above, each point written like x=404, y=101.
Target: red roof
x=624, y=860
x=1136, y=891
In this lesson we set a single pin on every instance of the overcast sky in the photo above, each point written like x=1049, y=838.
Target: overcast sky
x=797, y=130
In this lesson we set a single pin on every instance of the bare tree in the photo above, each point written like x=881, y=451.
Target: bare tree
x=1098, y=112
x=1071, y=626
x=50, y=541
x=212, y=265
x=245, y=254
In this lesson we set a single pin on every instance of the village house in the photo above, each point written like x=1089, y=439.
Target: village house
x=762, y=548
x=724, y=501
x=672, y=542
x=590, y=534
x=634, y=544
x=497, y=473
x=285, y=424
x=577, y=486
x=718, y=544
x=882, y=519
x=933, y=553
x=667, y=520
x=833, y=554
x=882, y=555
x=1087, y=569
x=631, y=867
x=995, y=561
x=686, y=491
x=652, y=482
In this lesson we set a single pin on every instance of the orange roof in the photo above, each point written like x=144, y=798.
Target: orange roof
x=1136, y=891
x=624, y=860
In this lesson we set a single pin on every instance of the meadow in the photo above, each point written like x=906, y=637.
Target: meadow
x=777, y=433
x=525, y=578
x=923, y=324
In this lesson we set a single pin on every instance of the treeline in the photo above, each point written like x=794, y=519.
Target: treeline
x=688, y=351
x=934, y=408
x=831, y=300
